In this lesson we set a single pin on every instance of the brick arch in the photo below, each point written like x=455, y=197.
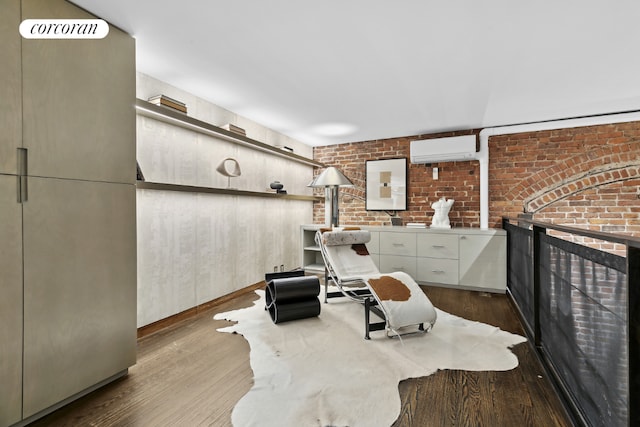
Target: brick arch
x=599, y=166
x=614, y=173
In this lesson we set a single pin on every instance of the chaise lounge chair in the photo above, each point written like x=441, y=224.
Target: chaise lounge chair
x=394, y=297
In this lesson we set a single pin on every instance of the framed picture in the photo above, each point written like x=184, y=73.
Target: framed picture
x=386, y=185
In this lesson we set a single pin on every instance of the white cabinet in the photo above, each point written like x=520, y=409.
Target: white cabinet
x=465, y=258
x=397, y=243
x=437, y=258
x=397, y=252
x=483, y=260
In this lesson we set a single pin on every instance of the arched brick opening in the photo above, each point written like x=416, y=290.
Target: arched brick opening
x=599, y=191
x=599, y=166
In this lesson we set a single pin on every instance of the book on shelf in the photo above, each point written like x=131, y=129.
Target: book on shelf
x=235, y=129
x=165, y=101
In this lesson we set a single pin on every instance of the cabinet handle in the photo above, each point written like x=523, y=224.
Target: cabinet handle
x=463, y=237
x=438, y=271
x=23, y=194
x=398, y=244
x=437, y=246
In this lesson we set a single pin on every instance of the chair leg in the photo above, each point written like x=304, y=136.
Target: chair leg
x=326, y=285
x=367, y=304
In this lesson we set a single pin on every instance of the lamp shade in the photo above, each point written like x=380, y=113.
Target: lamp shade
x=331, y=177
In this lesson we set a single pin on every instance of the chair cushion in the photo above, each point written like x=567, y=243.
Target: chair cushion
x=346, y=237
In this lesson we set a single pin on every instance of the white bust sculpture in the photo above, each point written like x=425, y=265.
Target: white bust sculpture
x=441, y=215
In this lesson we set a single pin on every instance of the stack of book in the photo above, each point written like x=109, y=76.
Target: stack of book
x=416, y=225
x=165, y=101
x=234, y=129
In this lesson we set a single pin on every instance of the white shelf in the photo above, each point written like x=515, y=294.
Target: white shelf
x=145, y=185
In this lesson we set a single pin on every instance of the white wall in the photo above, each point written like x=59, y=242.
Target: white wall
x=195, y=247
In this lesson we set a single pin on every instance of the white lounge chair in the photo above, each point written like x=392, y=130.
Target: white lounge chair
x=394, y=297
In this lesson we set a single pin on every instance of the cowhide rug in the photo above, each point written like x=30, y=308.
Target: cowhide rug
x=321, y=372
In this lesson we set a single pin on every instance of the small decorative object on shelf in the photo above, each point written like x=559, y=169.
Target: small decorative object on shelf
x=284, y=147
x=165, y=101
x=441, y=215
x=278, y=186
x=229, y=167
x=234, y=129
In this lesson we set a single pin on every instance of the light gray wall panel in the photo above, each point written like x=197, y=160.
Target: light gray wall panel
x=219, y=247
x=193, y=248
x=166, y=254
x=78, y=101
x=10, y=302
x=79, y=287
x=10, y=86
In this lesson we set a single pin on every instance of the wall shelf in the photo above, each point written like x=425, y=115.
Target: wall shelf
x=177, y=118
x=226, y=191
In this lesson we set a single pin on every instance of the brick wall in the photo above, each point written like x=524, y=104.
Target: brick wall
x=587, y=177
x=457, y=180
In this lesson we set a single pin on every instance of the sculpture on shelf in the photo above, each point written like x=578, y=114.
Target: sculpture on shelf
x=229, y=167
x=278, y=186
x=441, y=214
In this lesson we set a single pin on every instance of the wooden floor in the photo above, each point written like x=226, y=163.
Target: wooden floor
x=191, y=375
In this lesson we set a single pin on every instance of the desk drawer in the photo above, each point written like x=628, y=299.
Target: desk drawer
x=392, y=263
x=398, y=243
x=438, y=246
x=437, y=270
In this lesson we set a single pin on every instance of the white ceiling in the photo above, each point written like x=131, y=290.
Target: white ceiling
x=384, y=68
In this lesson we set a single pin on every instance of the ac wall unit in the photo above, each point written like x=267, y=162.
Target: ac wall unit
x=455, y=148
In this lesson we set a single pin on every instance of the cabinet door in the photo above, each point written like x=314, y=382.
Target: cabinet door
x=79, y=287
x=10, y=86
x=10, y=302
x=483, y=261
x=78, y=100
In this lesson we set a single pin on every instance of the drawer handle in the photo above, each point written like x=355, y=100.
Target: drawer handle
x=437, y=246
x=398, y=268
x=438, y=271
x=398, y=244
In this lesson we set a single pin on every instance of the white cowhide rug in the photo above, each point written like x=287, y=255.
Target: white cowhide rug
x=321, y=372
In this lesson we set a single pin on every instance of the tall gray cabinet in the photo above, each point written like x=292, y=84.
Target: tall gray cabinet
x=67, y=212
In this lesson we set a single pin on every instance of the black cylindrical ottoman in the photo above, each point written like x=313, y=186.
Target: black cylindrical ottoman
x=293, y=298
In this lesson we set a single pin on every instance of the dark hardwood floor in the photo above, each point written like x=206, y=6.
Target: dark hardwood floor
x=190, y=375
